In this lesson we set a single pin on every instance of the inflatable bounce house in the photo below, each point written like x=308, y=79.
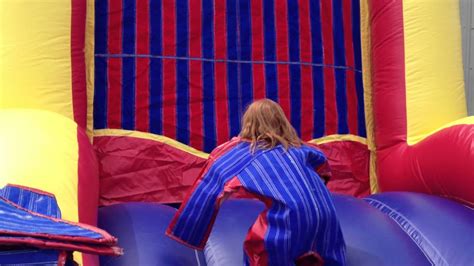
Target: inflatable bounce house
x=109, y=108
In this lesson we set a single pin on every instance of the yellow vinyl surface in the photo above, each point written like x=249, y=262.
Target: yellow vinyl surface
x=89, y=54
x=39, y=149
x=35, y=54
x=433, y=57
x=367, y=79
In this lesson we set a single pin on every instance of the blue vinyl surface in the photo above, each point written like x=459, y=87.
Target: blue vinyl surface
x=32, y=200
x=383, y=229
x=140, y=229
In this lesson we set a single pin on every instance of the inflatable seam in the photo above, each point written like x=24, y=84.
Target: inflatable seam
x=426, y=247
x=197, y=257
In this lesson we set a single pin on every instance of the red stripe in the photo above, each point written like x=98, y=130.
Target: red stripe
x=195, y=76
x=169, y=69
x=87, y=187
x=222, y=116
x=258, y=81
x=329, y=77
x=307, y=104
x=78, y=66
x=257, y=50
x=282, y=54
x=350, y=77
x=114, y=70
x=63, y=255
x=142, y=82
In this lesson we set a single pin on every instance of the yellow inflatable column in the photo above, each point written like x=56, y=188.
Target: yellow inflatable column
x=434, y=75
x=43, y=46
x=47, y=151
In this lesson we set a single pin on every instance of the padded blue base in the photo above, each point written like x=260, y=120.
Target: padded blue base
x=372, y=238
x=441, y=228
x=225, y=244
x=140, y=229
x=385, y=229
x=43, y=257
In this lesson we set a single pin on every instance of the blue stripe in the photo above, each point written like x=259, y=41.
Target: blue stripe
x=246, y=91
x=360, y=106
x=100, y=93
x=18, y=220
x=156, y=80
x=269, y=52
x=32, y=200
x=232, y=52
x=100, y=79
x=318, y=75
x=129, y=25
x=128, y=65
x=100, y=75
x=182, y=73
x=356, y=34
x=295, y=70
x=275, y=211
x=43, y=257
x=209, y=118
x=340, y=60
x=358, y=65
x=232, y=68
x=156, y=92
x=128, y=93
x=100, y=27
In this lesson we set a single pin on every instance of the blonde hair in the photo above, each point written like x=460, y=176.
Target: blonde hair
x=265, y=125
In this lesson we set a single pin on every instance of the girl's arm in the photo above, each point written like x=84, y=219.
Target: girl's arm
x=192, y=223
x=319, y=162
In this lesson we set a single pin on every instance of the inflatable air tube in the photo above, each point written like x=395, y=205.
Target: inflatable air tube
x=372, y=238
x=441, y=228
x=140, y=228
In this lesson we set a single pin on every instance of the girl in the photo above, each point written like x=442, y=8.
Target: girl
x=269, y=162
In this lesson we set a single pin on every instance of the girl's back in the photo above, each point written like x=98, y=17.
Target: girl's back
x=269, y=162
x=300, y=216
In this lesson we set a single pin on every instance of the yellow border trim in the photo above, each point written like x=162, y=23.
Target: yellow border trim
x=89, y=56
x=191, y=150
x=150, y=136
x=368, y=104
x=333, y=138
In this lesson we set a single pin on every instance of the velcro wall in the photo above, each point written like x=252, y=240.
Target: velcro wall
x=173, y=78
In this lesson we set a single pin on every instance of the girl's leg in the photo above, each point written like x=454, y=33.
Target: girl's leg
x=246, y=259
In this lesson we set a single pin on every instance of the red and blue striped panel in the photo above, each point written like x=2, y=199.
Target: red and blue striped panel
x=188, y=69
